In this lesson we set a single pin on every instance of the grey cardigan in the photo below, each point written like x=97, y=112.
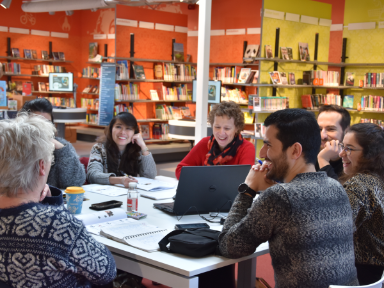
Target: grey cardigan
x=308, y=223
x=97, y=172
x=66, y=169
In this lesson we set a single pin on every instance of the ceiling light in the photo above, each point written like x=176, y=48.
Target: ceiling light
x=6, y=3
x=69, y=13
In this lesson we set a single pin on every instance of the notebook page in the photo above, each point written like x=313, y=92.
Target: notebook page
x=124, y=230
x=102, y=216
x=96, y=228
x=147, y=242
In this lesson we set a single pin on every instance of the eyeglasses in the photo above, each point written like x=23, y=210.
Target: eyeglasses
x=347, y=149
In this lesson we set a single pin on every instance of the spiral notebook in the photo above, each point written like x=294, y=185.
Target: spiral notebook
x=140, y=235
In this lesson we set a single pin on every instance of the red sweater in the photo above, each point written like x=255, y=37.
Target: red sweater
x=245, y=155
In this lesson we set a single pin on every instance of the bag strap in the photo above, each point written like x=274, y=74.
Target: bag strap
x=164, y=242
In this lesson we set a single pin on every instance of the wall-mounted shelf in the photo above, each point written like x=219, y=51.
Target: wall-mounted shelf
x=90, y=93
x=234, y=64
x=154, y=101
x=50, y=92
x=90, y=78
x=38, y=60
x=25, y=75
x=152, y=81
x=150, y=60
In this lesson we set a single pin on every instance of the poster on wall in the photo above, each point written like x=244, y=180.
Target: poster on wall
x=3, y=93
x=107, y=93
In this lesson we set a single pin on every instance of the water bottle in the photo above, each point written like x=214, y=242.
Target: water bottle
x=132, y=197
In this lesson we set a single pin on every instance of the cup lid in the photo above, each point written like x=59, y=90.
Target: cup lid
x=74, y=190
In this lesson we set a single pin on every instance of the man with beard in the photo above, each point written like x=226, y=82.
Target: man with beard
x=306, y=218
x=333, y=121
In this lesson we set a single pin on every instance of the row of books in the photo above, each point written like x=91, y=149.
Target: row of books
x=270, y=103
x=61, y=101
x=235, y=74
x=171, y=112
x=282, y=78
x=126, y=92
x=253, y=51
x=319, y=77
x=11, y=68
x=314, y=101
x=235, y=95
x=92, y=118
x=91, y=89
x=122, y=108
x=180, y=92
x=374, y=121
x=90, y=103
x=46, y=69
x=372, y=103
x=160, y=131
x=374, y=80
x=43, y=87
x=179, y=72
x=32, y=54
x=91, y=72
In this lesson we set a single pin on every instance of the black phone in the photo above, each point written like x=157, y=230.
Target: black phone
x=191, y=226
x=106, y=205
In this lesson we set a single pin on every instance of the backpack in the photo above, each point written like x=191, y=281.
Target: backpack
x=197, y=242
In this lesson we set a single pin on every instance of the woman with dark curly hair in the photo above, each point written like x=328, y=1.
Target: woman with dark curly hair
x=226, y=146
x=121, y=151
x=362, y=153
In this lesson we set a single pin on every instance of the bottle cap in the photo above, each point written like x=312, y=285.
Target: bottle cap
x=74, y=190
x=132, y=185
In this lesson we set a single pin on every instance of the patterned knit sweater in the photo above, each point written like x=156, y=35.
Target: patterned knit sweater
x=97, y=172
x=45, y=246
x=66, y=169
x=366, y=195
x=308, y=223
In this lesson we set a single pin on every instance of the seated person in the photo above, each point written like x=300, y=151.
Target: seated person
x=41, y=245
x=333, y=121
x=307, y=218
x=226, y=146
x=122, y=151
x=363, y=158
x=66, y=170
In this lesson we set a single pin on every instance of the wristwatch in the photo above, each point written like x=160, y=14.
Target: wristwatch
x=245, y=189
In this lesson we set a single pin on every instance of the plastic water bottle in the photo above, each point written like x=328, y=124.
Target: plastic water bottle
x=132, y=197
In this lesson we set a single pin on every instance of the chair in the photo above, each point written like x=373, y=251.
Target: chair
x=84, y=161
x=377, y=284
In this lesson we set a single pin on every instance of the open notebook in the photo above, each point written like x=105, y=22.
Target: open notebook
x=115, y=225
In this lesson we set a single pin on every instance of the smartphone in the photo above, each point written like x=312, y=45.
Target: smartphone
x=191, y=226
x=106, y=205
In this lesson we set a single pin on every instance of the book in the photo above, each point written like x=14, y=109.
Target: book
x=44, y=55
x=251, y=52
x=154, y=95
x=256, y=103
x=292, y=80
x=348, y=101
x=349, y=78
x=178, y=52
x=158, y=71
x=56, y=56
x=303, y=51
x=255, y=76
x=258, y=130
x=251, y=77
x=15, y=52
x=145, y=131
x=290, y=54
x=12, y=105
x=34, y=54
x=268, y=52
x=275, y=77
x=284, y=53
x=27, y=89
x=138, y=70
x=42, y=87
x=3, y=93
x=61, y=56
x=244, y=74
x=93, y=50
x=283, y=78
x=122, y=72
x=248, y=117
x=27, y=54
x=87, y=89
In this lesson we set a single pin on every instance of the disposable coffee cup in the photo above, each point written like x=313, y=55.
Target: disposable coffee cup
x=75, y=197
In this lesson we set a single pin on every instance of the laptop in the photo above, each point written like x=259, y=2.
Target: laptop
x=205, y=189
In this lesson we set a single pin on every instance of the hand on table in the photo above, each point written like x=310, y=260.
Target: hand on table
x=45, y=193
x=256, y=178
x=329, y=153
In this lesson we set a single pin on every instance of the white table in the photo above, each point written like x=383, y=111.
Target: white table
x=170, y=269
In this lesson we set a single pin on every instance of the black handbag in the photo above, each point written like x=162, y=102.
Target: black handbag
x=197, y=242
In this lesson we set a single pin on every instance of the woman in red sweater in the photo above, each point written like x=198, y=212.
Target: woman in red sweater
x=226, y=146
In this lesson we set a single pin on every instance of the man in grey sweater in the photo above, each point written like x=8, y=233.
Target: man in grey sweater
x=306, y=218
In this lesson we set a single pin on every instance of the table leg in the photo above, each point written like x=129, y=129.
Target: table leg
x=246, y=273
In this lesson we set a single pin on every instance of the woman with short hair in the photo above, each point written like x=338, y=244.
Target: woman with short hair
x=67, y=169
x=41, y=245
x=363, y=165
x=120, y=152
x=226, y=146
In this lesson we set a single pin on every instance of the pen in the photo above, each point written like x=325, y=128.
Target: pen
x=258, y=160
x=128, y=176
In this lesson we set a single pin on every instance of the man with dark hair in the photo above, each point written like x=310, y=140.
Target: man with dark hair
x=333, y=120
x=307, y=219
